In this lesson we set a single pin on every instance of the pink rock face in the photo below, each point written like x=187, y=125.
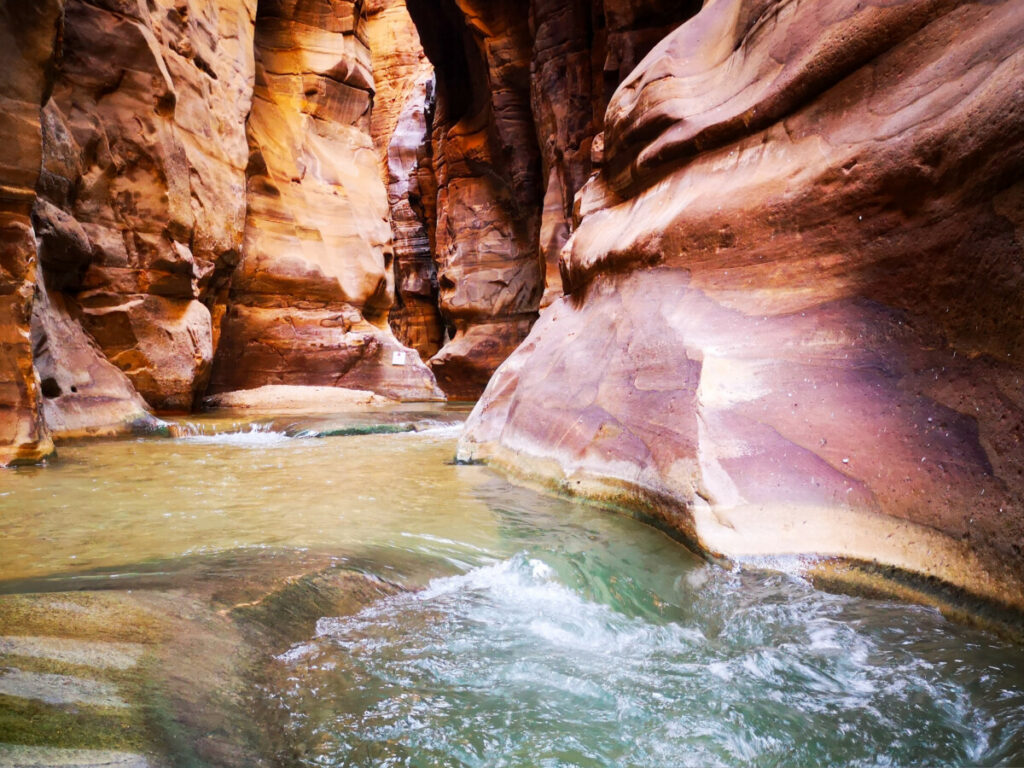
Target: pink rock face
x=794, y=322
x=522, y=91
x=309, y=300
x=581, y=52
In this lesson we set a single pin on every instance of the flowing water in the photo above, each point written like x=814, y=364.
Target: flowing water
x=504, y=628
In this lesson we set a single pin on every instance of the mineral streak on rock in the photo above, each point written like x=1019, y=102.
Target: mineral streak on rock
x=794, y=321
x=310, y=299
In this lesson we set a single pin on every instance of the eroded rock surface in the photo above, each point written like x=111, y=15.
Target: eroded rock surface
x=581, y=52
x=402, y=127
x=310, y=298
x=83, y=393
x=144, y=153
x=487, y=167
x=521, y=96
x=794, y=320
x=27, y=35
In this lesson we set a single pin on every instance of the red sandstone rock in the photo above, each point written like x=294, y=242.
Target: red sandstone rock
x=488, y=175
x=401, y=127
x=581, y=52
x=83, y=394
x=521, y=97
x=794, y=322
x=412, y=197
x=144, y=151
x=27, y=34
x=310, y=298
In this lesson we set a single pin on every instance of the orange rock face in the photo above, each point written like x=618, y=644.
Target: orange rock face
x=401, y=127
x=145, y=151
x=793, y=322
x=310, y=299
x=27, y=35
x=151, y=145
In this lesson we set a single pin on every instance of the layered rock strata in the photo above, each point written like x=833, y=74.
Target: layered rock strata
x=793, y=322
x=146, y=152
x=28, y=32
x=412, y=196
x=521, y=95
x=487, y=168
x=310, y=298
x=581, y=52
x=144, y=158
x=402, y=124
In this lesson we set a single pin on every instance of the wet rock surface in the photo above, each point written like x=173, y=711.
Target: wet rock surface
x=792, y=321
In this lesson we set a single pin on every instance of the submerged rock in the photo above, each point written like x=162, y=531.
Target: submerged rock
x=164, y=669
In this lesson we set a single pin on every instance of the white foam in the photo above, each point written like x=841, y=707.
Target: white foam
x=258, y=436
x=440, y=431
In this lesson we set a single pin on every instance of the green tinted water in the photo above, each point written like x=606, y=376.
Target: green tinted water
x=535, y=632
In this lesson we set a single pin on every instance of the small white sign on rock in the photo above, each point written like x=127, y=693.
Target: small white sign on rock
x=398, y=358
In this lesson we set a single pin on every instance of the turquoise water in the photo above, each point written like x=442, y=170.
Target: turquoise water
x=527, y=630
x=578, y=650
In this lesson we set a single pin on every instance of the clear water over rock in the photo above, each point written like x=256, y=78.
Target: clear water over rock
x=338, y=592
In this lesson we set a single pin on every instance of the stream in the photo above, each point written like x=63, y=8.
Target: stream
x=336, y=591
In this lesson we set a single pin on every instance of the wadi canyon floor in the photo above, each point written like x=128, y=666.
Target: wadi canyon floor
x=337, y=591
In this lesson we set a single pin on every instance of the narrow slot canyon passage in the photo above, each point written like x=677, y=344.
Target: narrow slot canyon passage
x=441, y=383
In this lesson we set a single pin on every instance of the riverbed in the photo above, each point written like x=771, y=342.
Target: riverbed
x=337, y=591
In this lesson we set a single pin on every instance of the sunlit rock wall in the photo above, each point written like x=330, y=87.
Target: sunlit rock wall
x=144, y=150
x=28, y=32
x=794, y=320
x=401, y=127
x=309, y=301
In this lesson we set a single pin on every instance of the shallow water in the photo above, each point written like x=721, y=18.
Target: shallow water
x=537, y=632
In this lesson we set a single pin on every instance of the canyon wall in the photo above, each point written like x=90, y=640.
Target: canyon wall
x=521, y=96
x=143, y=171
x=27, y=36
x=401, y=128
x=191, y=203
x=793, y=322
x=487, y=170
x=309, y=301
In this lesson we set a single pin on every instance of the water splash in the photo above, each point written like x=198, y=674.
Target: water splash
x=256, y=436
x=510, y=665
